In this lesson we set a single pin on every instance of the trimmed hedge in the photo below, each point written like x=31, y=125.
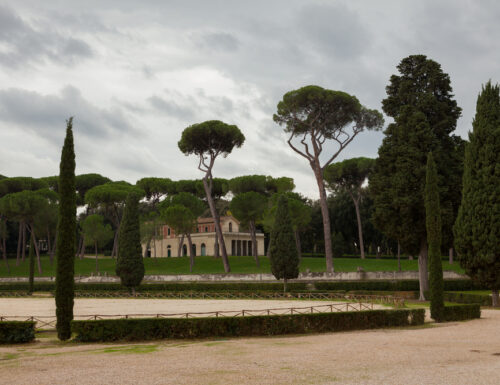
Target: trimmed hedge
x=160, y=328
x=377, y=285
x=14, y=332
x=461, y=312
x=482, y=299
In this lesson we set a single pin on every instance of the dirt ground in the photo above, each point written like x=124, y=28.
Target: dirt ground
x=451, y=353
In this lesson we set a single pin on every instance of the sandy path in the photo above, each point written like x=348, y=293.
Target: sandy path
x=89, y=306
x=451, y=353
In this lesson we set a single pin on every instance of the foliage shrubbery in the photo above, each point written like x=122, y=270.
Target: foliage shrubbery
x=159, y=328
x=12, y=332
x=461, y=312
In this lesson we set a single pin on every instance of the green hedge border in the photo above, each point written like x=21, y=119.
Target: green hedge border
x=378, y=285
x=179, y=328
x=482, y=299
x=461, y=312
x=15, y=332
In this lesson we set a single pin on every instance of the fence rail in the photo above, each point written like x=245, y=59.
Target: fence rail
x=47, y=322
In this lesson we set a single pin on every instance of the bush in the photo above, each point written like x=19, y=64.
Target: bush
x=159, y=328
x=14, y=332
x=461, y=312
x=481, y=299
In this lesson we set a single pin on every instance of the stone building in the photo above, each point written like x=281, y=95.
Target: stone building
x=237, y=243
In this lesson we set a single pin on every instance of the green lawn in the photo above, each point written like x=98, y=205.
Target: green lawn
x=210, y=265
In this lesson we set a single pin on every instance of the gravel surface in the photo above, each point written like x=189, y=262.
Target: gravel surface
x=450, y=353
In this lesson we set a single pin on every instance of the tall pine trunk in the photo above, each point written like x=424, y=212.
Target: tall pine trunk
x=96, y=258
x=35, y=243
x=181, y=242
x=297, y=243
x=49, y=247
x=31, y=257
x=360, y=228
x=326, y=218
x=494, y=298
x=4, y=253
x=399, y=256
x=19, y=241
x=191, y=253
x=23, y=246
x=450, y=255
x=254, y=243
x=218, y=230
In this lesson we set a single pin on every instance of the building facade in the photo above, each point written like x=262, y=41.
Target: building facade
x=237, y=243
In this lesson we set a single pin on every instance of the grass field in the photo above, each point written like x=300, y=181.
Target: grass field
x=210, y=265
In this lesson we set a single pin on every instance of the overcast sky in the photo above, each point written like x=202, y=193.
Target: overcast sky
x=134, y=74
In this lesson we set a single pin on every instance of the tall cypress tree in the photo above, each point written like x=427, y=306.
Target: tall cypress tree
x=433, y=226
x=477, y=229
x=282, y=248
x=66, y=227
x=129, y=264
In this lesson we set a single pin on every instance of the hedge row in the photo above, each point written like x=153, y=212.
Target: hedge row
x=378, y=285
x=461, y=312
x=482, y=299
x=13, y=332
x=159, y=328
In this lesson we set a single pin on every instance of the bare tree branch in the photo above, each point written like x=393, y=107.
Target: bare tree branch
x=309, y=158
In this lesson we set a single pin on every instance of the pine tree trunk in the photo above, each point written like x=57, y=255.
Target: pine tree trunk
x=254, y=243
x=82, y=250
x=360, y=228
x=181, y=242
x=19, y=239
x=38, y=261
x=31, y=257
x=284, y=285
x=55, y=243
x=114, y=251
x=494, y=298
x=215, y=216
x=423, y=276
x=191, y=254
x=49, y=247
x=4, y=253
x=23, y=253
x=326, y=219
x=216, y=247
x=148, y=244
x=297, y=244
x=450, y=256
x=399, y=256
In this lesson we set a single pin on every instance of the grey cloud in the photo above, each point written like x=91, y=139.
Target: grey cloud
x=25, y=44
x=172, y=108
x=45, y=114
x=216, y=41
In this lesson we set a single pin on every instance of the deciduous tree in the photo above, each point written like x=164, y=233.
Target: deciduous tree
x=97, y=233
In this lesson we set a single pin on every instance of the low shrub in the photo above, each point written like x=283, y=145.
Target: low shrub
x=14, y=332
x=482, y=299
x=159, y=328
x=461, y=312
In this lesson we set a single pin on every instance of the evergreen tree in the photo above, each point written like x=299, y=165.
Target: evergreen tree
x=31, y=256
x=66, y=228
x=129, y=264
x=433, y=226
x=477, y=229
x=282, y=249
x=425, y=114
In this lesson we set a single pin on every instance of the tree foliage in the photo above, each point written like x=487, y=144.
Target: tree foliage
x=66, y=239
x=282, y=250
x=477, y=229
x=433, y=227
x=129, y=264
x=85, y=182
x=96, y=233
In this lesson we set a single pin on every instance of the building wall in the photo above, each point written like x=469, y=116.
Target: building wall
x=208, y=239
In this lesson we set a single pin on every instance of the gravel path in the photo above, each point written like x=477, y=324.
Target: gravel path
x=451, y=353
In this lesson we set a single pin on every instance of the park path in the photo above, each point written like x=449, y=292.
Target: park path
x=451, y=353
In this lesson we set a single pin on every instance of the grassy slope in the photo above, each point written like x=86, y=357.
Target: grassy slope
x=209, y=265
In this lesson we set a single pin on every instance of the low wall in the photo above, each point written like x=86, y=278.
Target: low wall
x=340, y=276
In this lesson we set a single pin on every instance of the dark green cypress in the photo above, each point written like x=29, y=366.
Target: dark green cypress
x=129, y=264
x=433, y=227
x=32, y=266
x=66, y=228
x=282, y=247
x=477, y=228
